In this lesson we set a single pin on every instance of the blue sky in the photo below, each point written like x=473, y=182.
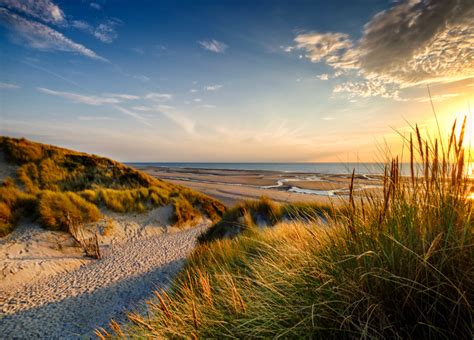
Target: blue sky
x=232, y=80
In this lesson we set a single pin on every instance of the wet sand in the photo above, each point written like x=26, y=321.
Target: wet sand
x=232, y=186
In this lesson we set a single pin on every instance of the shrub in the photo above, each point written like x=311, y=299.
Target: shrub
x=13, y=203
x=58, y=210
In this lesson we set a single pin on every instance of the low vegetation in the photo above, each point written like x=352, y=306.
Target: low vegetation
x=250, y=216
x=60, y=187
x=398, y=266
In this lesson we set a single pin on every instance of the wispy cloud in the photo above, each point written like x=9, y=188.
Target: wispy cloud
x=8, y=86
x=207, y=106
x=123, y=96
x=105, y=31
x=197, y=100
x=212, y=87
x=159, y=97
x=411, y=43
x=44, y=10
x=142, y=78
x=97, y=101
x=438, y=97
x=95, y=6
x=181, y=120
x=80, y=98
x=42, y=37
x=213, y=45
x=193, y=90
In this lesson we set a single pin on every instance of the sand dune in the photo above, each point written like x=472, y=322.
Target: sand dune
x=58, y=293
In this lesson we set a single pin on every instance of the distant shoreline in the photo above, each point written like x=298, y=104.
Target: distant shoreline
x=290, y=168
x=233, y=185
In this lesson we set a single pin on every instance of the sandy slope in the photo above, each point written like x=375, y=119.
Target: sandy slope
x=74, y=303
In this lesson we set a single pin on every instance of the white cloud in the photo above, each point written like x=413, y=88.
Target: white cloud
x=44, y=10
x=323, y=76
x=142, y=108
x=132, y=114
x=80, y=98
x=122, y=96
x=213, y=45
x=95, y=6
x=328, y=118
x=104, y=32
x=94, y=118
x=166, y=107
x=212, y=87
x=322, y=46
x=159, y=97
x=8, y=86
x=142, y=78
x=197, y=100
x=411, y=43
x=438, y=98
x=368, y=88
x=207, y=106
x=193, y=90
x=42, y=37
x=138, y=50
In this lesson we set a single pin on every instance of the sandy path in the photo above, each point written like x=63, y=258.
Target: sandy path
x=75, y=303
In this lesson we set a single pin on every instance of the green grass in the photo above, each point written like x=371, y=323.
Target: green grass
x=395, y=266
x=60, y=186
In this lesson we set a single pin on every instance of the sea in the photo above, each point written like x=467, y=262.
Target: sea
x=310, y=168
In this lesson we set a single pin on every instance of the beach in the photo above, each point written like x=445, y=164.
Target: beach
x=233, y=185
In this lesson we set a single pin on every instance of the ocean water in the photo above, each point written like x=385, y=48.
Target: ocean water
x=310, y=168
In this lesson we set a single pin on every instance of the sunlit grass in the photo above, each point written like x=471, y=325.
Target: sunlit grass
x=397, y=265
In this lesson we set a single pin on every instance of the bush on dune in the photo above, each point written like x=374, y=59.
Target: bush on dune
x=248, y=215
x=59, y=210
x=395, y=267
x=13, y=203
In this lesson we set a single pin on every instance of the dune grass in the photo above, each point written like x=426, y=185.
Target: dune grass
x=396, y=266
x=61, y=186
x=250, y=215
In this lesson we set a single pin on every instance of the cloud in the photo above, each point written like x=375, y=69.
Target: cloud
x=193, y=90
x=44, y=10
x=132, y=114
x=413, y=42
x=142, y=78
x=166, y=107
x=95, y=6
x=197, y=100
x=159, y=97
x=8, y=86
x=122, y=96
x=323, y=76
x=138, y=50
x=438, y=98
x=42, y=37
x=181, y=120
x=207, y=106
x=212, y=87
x=368, y=88
x=142, y=108
x=322, y=46
x=213, y=45
x=80, y=98
x=104, y=32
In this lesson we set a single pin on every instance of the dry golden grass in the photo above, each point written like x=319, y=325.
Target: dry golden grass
x=397, y=266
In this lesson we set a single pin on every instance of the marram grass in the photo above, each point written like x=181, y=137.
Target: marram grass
x=61, y=187
x=395, y=266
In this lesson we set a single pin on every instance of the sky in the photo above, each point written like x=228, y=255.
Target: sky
x=234, y=81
